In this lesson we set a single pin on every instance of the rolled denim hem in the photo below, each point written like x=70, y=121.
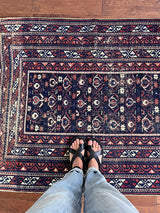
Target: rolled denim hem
x=92, y=169
x=76, y=169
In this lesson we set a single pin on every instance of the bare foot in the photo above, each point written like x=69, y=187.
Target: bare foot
x=75, y=146
x=96, y=147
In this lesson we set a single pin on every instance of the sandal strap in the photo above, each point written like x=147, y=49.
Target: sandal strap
x=77, y=153
x=94, y=154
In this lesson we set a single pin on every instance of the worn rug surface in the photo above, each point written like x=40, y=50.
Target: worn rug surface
x=61, y=78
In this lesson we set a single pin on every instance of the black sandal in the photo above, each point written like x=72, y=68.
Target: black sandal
x=76, y=153
x=94, y=154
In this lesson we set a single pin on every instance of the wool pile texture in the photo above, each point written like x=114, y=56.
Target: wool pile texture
x=61, y=78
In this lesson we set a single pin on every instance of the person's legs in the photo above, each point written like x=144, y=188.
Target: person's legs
x=65, y=195
x=99, y=195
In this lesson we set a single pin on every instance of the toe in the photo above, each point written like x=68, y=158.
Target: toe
x=81, y=141
x=90, y=142
x=97, y=145
x=94, y=144
x=74, y=144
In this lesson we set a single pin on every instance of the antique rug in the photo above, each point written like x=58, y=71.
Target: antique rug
x=65, y=77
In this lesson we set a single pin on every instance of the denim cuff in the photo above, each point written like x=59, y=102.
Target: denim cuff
x=76, y=169
x=92, y=169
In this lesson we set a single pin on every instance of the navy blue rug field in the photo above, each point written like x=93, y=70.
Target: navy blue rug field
x=62, y=78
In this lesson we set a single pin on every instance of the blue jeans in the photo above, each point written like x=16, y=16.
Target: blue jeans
x=99, y=196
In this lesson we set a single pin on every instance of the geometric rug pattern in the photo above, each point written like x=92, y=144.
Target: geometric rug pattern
x=60, y=78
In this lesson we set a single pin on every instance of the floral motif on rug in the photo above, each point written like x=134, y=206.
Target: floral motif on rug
x=93, y=78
